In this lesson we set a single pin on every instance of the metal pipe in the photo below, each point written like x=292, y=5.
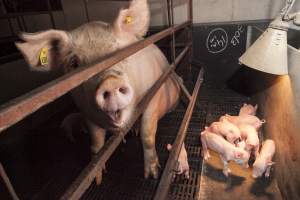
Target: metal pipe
x=166, y=178
x=84, y=180
x=8, y=184
x=17, y=109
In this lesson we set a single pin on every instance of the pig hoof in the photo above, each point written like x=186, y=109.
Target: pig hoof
x=152, y=170
x=98, y=178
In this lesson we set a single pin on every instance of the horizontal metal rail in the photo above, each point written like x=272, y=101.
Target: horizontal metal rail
x=84, y=180
x=17, y=109
x=20, y=14
x=166, y=178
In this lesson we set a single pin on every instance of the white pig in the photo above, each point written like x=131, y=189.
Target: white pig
x=263, y=162
x=226, y=129
x=226, y=150
x=244, y=119
x=250, y=136
x=109, y=99
x=248, y=109
x=183, y=164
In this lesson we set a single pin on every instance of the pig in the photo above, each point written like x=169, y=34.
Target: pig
x=263, y=162
x=244, y=119
x=226, y=129
x=248, y=109
x=250, y=136
x=226, y=150
x=183, y=164
x=108, y=100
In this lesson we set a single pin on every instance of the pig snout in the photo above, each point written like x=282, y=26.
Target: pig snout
x=113, y=96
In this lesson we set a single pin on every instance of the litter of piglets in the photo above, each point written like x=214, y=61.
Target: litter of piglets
x=236, y=138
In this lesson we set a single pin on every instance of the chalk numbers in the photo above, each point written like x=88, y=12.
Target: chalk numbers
x=217, y=40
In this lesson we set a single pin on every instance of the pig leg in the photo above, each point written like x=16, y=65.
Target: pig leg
x=226, y=169
x=148, y=132
x=97, y=141
x=205, y=152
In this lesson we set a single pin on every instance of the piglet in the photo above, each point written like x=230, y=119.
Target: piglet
x=263, y=162
x=183, y=165
x=250, y=136
x=226, y=150
x=225, y=129
x=248, y=109
x=244, y=119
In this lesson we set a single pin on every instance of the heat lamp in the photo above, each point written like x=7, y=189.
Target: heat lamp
x=269, y=52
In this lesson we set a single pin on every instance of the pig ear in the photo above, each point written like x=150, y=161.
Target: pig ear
x=169, y=147
x=134, y=20
x=44, y=50
x=255, y=107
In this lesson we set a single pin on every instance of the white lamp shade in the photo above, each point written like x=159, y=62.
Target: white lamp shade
x=268, y=53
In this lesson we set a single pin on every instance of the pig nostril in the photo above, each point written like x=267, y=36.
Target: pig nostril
x=123, y=90
x=106, y=94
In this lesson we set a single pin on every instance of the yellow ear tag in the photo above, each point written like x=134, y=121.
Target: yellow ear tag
x=128, y=19
x=44, y=56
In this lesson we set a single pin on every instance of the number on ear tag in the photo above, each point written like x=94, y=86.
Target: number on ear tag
x=44, y=56
x=128, y=19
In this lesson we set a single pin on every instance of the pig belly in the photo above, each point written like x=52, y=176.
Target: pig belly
x=215, y=143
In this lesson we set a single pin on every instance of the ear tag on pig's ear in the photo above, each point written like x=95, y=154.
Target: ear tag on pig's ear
x=128, y=20
x=44, y=56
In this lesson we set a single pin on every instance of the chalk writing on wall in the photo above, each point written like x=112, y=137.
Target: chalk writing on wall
x=217, y=40
x=237, y=34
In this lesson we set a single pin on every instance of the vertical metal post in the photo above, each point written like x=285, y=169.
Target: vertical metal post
x=190, y=37
x=86, y=10
x=49, y=7
x=171, y=24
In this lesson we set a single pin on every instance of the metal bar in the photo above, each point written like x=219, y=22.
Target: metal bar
x=14, y=15
x=166, y=178
x=86, y=10
x=8, y=184
x=173, y=46
x=182, y=86
x=51, y=14
x=17, y=109
x=84, y=180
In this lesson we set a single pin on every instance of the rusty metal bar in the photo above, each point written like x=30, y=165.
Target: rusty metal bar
x=8, y=184
x=84, y=180
x=166, y=178
x=17, y=109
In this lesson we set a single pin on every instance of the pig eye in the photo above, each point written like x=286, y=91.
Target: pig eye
x=106, y=95
x=123, y=90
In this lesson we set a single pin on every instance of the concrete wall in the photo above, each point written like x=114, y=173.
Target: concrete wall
x=205, y=11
